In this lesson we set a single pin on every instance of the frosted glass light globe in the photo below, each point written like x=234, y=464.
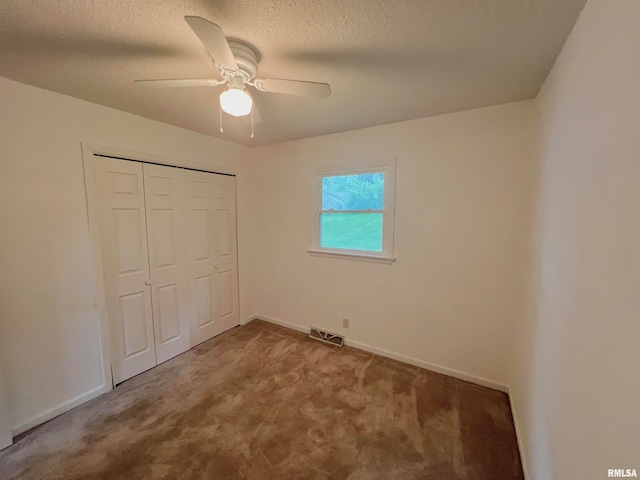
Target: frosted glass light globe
x=236, y=102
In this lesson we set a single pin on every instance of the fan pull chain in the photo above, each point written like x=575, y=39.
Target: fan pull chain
x=221, y=129
x=252, y=121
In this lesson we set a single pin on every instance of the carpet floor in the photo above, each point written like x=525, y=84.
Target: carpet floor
x=264, y=402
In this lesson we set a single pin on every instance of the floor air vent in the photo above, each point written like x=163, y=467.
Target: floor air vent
x=332, y=338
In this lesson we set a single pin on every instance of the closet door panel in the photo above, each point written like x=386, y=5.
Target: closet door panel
x=226, y=258
x=226, y=280
x=134, y=308
x=204, y=302
x=212, y=256
x=200, y=261
x=125, y=266
x=169, y=293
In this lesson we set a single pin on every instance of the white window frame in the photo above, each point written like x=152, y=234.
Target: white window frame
x=388, y=167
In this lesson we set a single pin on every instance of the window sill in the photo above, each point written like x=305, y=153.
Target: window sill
x=363, y=257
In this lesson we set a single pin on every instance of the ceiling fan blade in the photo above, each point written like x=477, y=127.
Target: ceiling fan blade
x=293, y=87
x=182, y=82
x=215, y=42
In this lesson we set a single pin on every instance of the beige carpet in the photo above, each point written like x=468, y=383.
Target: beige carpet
x=264, y=402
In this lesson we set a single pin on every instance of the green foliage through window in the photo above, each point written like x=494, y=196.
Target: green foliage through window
x=353, y=192
x=351, y=231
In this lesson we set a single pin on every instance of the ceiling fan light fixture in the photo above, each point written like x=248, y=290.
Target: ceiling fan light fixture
x=236, y=101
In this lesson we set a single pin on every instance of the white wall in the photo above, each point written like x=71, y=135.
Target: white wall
x=49, y=328
x=452, y=297
x=576, y=378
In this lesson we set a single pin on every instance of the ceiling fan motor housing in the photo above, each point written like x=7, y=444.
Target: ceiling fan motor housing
x=246, y=59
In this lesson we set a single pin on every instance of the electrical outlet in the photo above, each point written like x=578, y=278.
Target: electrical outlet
x=345, y=323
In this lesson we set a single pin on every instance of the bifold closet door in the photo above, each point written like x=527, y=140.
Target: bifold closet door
x=169, y=256
x=212, y=253
x=167, y=260
x=125, y=264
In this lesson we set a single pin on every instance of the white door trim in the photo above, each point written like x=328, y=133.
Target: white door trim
x=89, y=150
x=6, y=439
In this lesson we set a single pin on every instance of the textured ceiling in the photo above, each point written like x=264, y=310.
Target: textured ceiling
x=386, y=61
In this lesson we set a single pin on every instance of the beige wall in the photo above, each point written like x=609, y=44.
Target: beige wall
x=462, y=190
x=576, y=377
x=49, y=332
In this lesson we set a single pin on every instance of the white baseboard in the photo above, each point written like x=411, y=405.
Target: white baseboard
x=59, y=409
x=282, y=323
x=467, y=377
x=523, y=458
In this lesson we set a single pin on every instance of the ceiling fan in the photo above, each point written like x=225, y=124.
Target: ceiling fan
x=237, y=64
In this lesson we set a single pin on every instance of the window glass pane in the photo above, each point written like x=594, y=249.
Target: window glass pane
x=353, y=231
x=353, y=192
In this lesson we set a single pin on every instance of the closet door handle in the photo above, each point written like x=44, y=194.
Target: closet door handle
x=147, y=282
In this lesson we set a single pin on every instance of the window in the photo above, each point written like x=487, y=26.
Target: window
x=354, y=212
